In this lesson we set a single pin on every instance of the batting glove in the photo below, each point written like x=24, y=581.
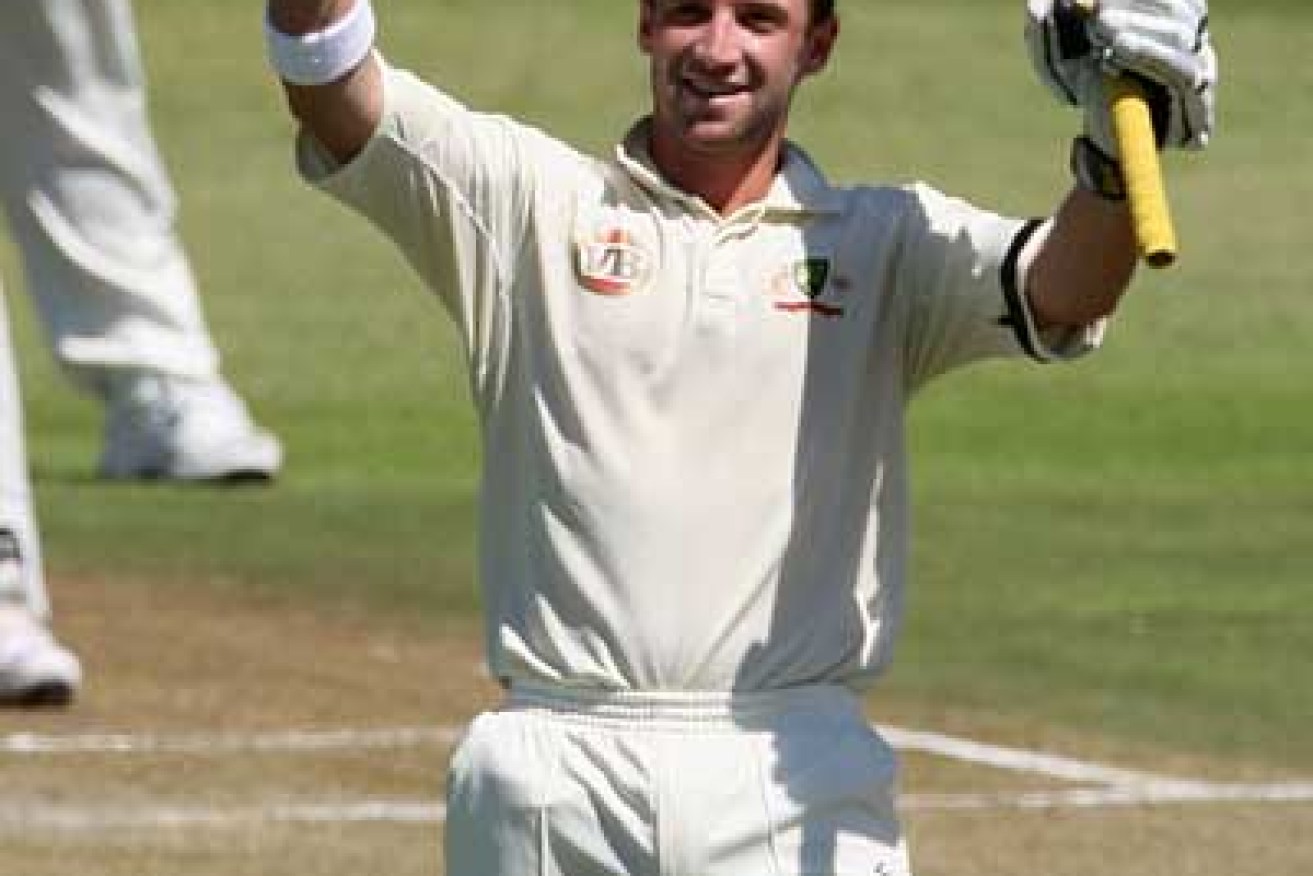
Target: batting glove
x=1164, y=43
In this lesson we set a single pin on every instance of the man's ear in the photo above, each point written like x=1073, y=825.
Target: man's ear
x=820, y=44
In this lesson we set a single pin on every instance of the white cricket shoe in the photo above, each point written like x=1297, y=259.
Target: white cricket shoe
x=160, y=426
x=35, y=670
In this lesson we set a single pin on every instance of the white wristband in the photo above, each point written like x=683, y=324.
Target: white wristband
x=322, y=56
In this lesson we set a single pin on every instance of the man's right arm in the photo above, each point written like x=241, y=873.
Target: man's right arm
x=342, y=114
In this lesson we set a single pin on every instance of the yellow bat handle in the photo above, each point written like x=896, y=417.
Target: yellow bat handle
x=1147, y=197
x=1150, y=214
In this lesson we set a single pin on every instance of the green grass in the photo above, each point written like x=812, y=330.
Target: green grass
x=1123, y=545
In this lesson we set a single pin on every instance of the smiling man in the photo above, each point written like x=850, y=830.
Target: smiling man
x=691, y=363
x=722, y=83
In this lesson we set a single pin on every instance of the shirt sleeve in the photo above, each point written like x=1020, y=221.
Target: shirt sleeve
x=962, y=274
x=452, y=189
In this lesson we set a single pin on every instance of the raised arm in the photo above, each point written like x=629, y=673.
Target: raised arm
x=321, y=50
x=1083, y=266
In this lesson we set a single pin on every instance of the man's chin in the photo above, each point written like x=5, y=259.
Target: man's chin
x=716, y=137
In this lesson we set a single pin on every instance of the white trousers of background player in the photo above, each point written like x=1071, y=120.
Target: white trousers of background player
x=87, y=196
x=21, y=581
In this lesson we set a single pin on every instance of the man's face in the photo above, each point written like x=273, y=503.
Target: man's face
x=723, y=71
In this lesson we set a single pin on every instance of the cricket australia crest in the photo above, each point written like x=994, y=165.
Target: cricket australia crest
x=805, y=286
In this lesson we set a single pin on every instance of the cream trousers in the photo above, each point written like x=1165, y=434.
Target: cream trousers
x=782, y=783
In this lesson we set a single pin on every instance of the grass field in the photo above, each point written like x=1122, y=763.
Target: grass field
x=1112, y=561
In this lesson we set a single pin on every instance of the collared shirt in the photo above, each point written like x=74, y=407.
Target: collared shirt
x=694, y=472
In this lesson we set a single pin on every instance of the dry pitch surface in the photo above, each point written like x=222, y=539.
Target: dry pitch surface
x=221, y=737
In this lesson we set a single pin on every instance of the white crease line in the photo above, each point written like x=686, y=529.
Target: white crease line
x=1116, y=785
x=1130, y=795
x=25, y=818
x=295, y=741
x=1016, y=759
x=19, y=818
x=228, y=743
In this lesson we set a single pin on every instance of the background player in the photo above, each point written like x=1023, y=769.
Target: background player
x=92, y=211
x=34, y=668
x=691, y=364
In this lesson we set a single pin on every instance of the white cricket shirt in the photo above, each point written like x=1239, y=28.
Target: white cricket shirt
x=692, y=425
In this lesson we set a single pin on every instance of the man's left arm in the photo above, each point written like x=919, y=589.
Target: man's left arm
x=1081, y=268
x=1084, y=264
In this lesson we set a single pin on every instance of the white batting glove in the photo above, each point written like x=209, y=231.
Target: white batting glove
x=1163, y=42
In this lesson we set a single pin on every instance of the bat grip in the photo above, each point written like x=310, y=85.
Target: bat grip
x=1146, y=196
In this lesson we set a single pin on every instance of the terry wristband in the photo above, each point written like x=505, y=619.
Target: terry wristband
x=322, y=56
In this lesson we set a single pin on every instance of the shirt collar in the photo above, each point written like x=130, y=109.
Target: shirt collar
x=799, y=186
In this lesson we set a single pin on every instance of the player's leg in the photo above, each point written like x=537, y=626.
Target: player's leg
x=827, y=798
x=93, y=212
x=34, y=668
x=531, y=795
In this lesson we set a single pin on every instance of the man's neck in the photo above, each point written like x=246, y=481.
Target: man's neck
x=726, y=182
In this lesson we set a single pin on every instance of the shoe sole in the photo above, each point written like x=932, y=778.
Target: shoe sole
x=50, y=694
x=239, y=477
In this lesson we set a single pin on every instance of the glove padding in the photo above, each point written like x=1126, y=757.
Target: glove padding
x=1162, y=42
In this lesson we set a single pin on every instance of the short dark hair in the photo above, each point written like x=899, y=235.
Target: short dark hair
x=822, y=11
